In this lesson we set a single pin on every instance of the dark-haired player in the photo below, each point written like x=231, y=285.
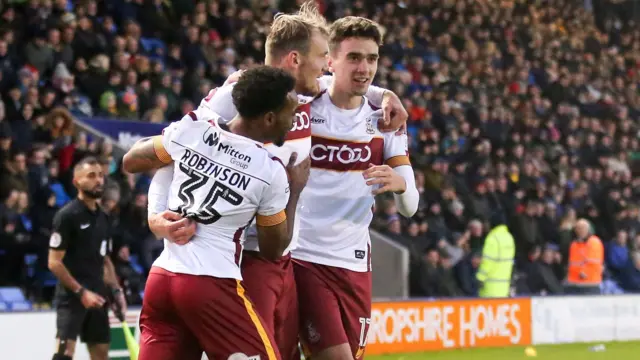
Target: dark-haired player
x=79, y=258
x=352, y=160
x=223, y=179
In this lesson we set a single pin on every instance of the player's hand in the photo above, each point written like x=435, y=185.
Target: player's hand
x=91, y=300
x=233, y=78
x=386, y=178
x=394, y=114
x=298, y=174
x=172, y=226
x=120, y=304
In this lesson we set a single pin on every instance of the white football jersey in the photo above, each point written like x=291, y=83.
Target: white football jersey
x=298, y=140
x=336, y=205
x=223, y=181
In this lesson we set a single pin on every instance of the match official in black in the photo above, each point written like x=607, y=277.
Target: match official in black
x=79, y=257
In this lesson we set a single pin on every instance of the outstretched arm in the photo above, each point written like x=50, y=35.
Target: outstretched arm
x=145, y=155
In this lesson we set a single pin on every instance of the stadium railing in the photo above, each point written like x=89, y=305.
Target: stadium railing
x=390, y=261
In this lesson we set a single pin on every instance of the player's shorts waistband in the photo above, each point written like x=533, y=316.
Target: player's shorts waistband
x=160, y=271
x=283, y=259
x=157, y=270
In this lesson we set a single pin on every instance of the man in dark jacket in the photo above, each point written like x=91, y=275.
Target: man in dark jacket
x=426, y=278
x=526, y=232
x=465, y=272
x=541, y=278
x=447, y=284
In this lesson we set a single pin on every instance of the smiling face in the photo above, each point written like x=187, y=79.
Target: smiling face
x=354, y=44
x=354, y=64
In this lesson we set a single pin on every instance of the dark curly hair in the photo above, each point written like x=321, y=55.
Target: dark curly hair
x=260, y=90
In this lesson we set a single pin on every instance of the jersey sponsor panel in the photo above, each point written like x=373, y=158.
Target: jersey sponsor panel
x=344, y=155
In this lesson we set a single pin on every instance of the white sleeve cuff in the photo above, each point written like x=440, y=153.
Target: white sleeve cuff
x=407, y=202
x=159, y=190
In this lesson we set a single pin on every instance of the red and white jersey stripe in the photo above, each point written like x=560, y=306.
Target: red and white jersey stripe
x=335, y=206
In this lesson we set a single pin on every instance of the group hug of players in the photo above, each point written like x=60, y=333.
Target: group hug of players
x=263, y=196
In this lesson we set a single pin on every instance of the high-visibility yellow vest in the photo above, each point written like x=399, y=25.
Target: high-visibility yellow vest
x=497, y=263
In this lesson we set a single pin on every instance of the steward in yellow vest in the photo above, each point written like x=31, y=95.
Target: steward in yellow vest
x=496, y=265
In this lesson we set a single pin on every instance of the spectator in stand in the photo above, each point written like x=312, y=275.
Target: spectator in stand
x=630, y=277
x=466, y=271
x=586, y=261
x=618, y=255
x=498, y=253
x=541, y=277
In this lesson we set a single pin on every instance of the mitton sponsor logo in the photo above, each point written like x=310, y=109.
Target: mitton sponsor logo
x=344, y=155
x=315, y=120
x=231, y=151
x=211, y=137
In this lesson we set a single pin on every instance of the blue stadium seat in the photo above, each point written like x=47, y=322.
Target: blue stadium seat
x=47, y=278
x=151, y=44
x=11, y=294
x=13, y=299
x=30, y=260
x=4, y=306
x=135, y=264
x=20, y=306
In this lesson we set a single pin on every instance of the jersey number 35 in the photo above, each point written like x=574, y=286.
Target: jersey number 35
x=205, y=214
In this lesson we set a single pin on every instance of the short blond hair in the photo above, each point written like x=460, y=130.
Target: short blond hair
x=292, y=32
x=354, y=26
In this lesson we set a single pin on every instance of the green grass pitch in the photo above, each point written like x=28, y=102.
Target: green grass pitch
x=613, y=351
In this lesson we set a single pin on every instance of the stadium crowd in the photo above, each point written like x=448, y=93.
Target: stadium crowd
x=530, y=108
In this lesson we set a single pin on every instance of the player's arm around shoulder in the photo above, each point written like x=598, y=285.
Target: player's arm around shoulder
x=218, y=103
x=146, y=155
x=395, y=115
x=152, y=153
x=396, y=175
x=277, y=209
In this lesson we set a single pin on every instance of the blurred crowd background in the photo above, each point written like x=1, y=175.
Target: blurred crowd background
x=529, y=108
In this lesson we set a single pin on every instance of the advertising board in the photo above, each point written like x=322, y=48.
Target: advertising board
x=406, y=326
x=572, y=319
x=438, y=325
